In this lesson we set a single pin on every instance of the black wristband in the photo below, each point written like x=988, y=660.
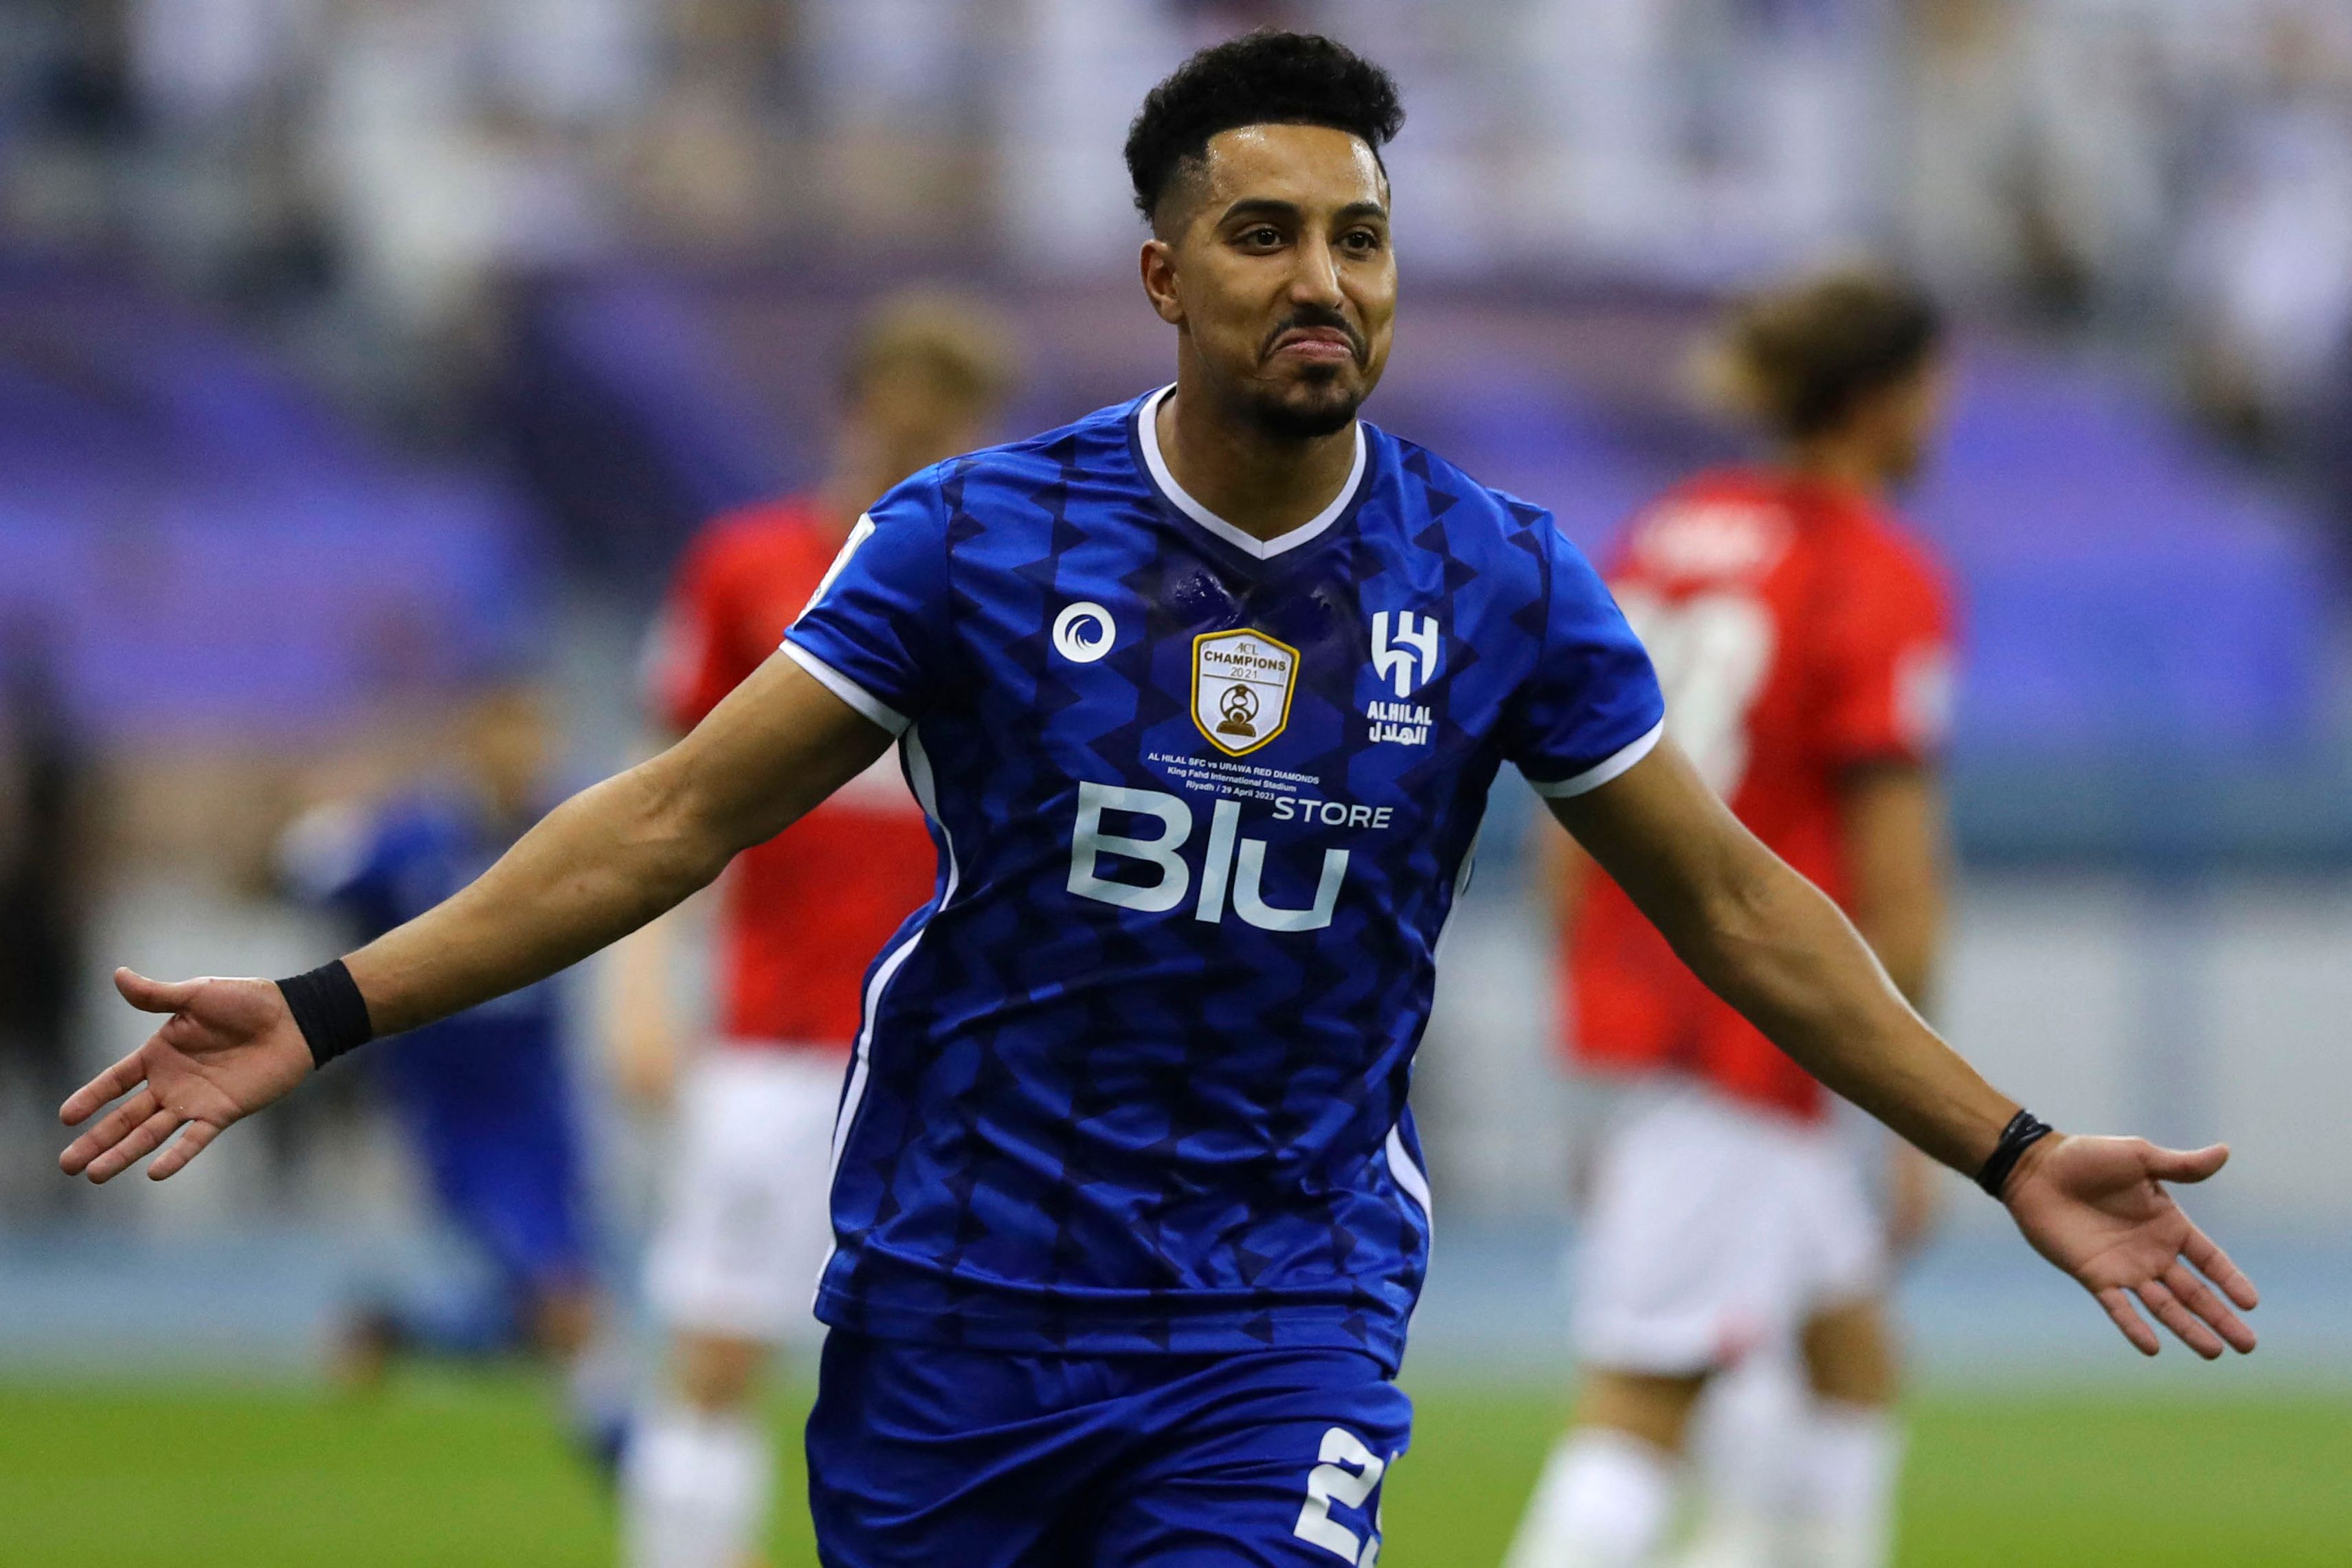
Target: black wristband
x=329, y=1010
x=2023, y=1132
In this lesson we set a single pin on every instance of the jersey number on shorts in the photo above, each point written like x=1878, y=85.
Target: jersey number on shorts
x=1346, y=1475
x=1711, y=651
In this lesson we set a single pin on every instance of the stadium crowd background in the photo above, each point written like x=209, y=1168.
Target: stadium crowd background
x=351, y=354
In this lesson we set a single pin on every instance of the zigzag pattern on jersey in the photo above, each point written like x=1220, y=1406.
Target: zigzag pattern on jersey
x=1092, y=1126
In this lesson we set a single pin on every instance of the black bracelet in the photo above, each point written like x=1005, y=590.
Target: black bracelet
x=2023, y=1132
x=329, y=1010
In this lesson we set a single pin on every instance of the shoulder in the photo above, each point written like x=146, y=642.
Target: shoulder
x=1476, y=518
x=1902, y=569
x=1730, y=491
x=1003, y=501
x=751, y=539
x=1499, y=554
x=1724, y=522
x=732, y=550
x=1083, y=448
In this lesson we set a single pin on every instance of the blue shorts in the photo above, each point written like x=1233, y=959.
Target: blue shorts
x=921, y=1455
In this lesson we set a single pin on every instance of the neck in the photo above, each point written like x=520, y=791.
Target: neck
x=1263, y=484
x=1845, y=464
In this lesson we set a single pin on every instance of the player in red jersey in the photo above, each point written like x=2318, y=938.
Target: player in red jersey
x=1804, y=642
x=734, y=1262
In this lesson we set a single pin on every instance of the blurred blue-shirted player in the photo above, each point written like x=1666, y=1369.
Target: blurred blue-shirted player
x=485, y=1098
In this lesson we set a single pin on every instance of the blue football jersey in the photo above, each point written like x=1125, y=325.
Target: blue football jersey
x=1135, y=1080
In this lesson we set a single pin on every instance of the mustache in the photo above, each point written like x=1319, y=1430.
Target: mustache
x=1313, y=316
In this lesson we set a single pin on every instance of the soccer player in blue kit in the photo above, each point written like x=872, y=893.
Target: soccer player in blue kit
x=484, y=1097
x=1203, y=695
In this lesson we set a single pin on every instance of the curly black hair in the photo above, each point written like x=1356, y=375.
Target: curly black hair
x=1265, y=77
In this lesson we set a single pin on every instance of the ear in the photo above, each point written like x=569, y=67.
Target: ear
x=1159, y=263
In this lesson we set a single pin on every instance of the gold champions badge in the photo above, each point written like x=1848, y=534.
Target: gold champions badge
x=1242, y=683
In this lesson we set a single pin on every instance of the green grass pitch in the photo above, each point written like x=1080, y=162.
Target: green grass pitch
x=458, y=1470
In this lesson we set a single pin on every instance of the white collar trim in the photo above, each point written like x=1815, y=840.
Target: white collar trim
x=1147, y=432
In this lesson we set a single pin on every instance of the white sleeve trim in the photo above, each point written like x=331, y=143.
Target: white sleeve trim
x=1602, y=771
x=867, y=705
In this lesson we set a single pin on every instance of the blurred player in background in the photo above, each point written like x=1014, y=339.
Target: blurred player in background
x=485, y=1096
x=47, y=784
x=734, y=1266
x=1803, y=639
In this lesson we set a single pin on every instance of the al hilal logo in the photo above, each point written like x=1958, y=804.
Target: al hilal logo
x=1404, y=654
x=1242, y=683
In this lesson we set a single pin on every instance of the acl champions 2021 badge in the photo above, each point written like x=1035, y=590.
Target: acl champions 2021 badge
x=1242, y=682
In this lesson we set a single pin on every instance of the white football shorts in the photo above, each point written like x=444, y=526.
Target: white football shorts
x=745, y=1228
x=1715, y=1227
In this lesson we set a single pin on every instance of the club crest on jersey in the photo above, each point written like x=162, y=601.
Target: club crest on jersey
x=1404, y=650
x=1242, y=682
x=1405, y=654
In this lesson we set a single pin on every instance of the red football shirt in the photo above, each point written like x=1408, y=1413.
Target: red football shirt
x=804, y=914
x=1798, y=632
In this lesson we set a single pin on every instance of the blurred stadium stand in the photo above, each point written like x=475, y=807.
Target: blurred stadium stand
x=2152, y=628
x=215, y=551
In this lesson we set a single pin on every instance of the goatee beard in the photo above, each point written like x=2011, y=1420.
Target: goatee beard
x=1287, y=423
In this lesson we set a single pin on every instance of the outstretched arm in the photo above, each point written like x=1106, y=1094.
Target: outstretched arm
x=621, y=852
x=602, y=864
x=1773, y=946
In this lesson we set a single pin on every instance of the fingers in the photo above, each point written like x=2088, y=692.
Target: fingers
x=2159, y=1298
x=143, y=1140
x=2118, y=1305
x=2215, y=1264
x=184, y=1148
x=155, y=995
x=120, y=1079
x=112, y=1129
x=2197, y=1297
x=2185, y=1165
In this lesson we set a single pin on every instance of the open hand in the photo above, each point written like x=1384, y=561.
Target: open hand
x=2097, y=1208
x=230, y=1047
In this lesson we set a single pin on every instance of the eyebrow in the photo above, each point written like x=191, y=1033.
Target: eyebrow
x=1272, y=207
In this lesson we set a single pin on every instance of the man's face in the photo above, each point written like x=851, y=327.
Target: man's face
x=1273, y=259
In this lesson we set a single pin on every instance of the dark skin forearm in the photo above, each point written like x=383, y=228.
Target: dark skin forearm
x=616, y=855
x=1777, y=948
